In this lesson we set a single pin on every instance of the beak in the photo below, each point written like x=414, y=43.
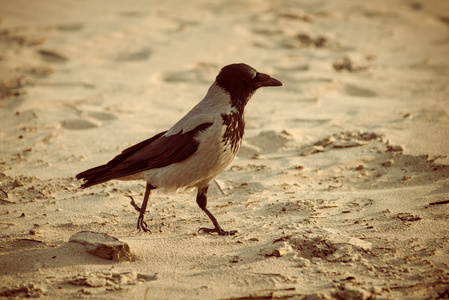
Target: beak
x=262, y=80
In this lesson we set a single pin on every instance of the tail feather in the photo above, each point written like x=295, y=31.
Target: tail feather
x=94, y=176
x=112, y=169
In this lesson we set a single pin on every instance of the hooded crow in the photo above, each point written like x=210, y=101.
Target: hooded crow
x=195, y=150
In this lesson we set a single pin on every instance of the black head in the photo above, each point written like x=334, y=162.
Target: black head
x=241, y=81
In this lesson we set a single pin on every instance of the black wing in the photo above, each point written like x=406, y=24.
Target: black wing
x=156, y=152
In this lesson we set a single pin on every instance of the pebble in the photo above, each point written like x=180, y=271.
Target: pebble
x=103, y=245
x=282, y=250
x=352, y=293
x=387, y=164
x=318, y=296
x=95, y=281
x=395, y=148
x=302, y=262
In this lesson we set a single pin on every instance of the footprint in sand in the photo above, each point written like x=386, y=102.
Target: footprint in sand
x=91, y=120
x=265, y=142
x=201, y=72
x=70, y=27
x=139, y=55
x=79, y=124
x=303, y=122
x=353, y=90
x=102, y=116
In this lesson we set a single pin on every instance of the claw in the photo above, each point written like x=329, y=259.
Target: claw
x=142, y=225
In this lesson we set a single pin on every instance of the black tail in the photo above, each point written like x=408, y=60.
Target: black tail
x=94, y=176
x=114, y=169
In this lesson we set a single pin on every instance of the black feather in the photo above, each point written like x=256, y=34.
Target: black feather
x=156, y=152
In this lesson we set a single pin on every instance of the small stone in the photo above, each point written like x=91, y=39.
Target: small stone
x=256, y=156
x=302, y=262
x=360, y=167
x=395, y=148
x=408, y=116
x=343, y=254
x=406, y=178
x=126, y=278
x=33, y=231
x=318, y=296
x=95, y=281
x=282, y=250
x=325, y=142
x=103, y=245
x=85, y=292
x=352, y=293
x=312, y=150
x=52, y=56
x=338, y=241
x=408, y=217
x=388, y=163
x=146, y=277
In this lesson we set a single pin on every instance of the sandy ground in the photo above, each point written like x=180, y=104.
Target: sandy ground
x=331, y=192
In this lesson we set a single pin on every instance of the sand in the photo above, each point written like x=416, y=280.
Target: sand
x=340, y=190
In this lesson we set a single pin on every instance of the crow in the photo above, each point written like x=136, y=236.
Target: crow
x=195, y=150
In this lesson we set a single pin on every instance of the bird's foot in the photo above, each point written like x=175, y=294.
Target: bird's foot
x=141, y=224
x=217, y=230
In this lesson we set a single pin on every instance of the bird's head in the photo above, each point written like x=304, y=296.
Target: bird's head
x=241, y=81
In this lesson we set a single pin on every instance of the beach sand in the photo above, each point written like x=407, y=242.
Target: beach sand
x=340, y=189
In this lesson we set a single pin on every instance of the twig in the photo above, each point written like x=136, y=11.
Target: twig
x=439, y=202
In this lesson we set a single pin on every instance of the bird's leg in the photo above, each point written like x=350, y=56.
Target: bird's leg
x=133, y=203
x=201, y=199
x=141, y=224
